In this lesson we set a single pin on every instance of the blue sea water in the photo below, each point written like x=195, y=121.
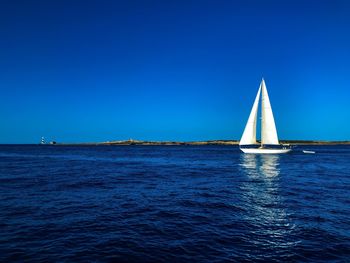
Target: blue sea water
x=173, y=204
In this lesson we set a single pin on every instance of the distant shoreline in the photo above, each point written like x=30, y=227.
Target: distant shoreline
x=210, y=142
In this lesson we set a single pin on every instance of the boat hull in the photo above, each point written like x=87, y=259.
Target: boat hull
x=265, y=150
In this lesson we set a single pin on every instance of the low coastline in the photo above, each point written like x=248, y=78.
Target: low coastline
x=210, y=142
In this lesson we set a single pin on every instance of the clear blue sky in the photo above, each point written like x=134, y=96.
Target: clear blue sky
x=77, y=71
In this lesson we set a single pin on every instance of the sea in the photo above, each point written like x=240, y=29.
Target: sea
x=173, y=204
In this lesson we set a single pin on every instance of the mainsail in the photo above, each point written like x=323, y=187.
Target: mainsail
x=249, y=134
x=268, y=127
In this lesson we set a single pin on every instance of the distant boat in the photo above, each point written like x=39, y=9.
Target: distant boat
x=269, y=139
x=42, y=140
x=305, y=151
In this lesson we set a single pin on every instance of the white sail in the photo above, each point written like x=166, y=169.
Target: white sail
x=268, y=127
x=249, y=134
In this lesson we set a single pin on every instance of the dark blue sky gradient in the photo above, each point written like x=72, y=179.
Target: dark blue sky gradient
x=171, y=70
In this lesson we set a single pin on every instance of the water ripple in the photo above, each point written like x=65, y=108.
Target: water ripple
x=173, y=204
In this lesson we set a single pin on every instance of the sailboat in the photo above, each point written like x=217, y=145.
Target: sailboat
x=269, y=139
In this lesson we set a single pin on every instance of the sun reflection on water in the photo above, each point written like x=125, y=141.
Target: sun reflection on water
x=260, y=166
x=265, y=208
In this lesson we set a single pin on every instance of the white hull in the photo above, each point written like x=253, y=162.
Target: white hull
x=265, y=150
